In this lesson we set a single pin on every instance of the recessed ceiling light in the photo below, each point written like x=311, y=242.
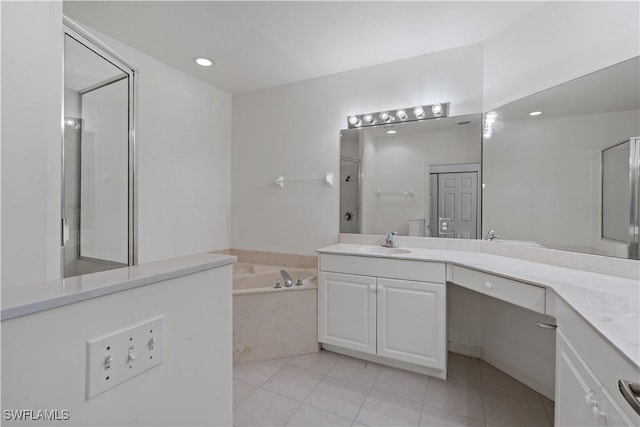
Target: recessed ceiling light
x=535, y=113
x=205, y=62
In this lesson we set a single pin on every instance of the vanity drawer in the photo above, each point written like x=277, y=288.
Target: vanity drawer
x=402, y=269
x=519, y=293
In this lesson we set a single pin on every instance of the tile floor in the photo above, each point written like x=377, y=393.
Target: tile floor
x=328, y=389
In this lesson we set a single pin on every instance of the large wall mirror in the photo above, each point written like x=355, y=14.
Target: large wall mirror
x=98, y=153
x=560, y=166
x=417, y=178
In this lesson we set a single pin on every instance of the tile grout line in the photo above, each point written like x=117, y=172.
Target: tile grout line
x=287, y=397
x=482, y=390
x=325, y=375
x=424, y=398
x=368, y=393
x=248, y=396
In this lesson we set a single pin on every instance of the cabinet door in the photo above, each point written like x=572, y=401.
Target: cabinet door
x=411, y=322
x=347, y=311
x=576, y=392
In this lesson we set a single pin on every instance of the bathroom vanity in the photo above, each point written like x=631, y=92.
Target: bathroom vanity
x=389, y=306
x=392, y=309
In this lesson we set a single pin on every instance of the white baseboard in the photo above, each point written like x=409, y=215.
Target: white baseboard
x=517, y=373
x=465, y=350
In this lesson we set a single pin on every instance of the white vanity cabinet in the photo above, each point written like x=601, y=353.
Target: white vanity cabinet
x=347, y=311
x=386, y=313
x=587, y=370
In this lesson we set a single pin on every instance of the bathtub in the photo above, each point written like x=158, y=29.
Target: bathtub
x=270, y=323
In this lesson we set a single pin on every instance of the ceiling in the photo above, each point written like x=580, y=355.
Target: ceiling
x=257, y=45
x=612, y=89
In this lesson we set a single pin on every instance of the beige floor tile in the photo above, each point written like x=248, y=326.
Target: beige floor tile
x=401, y=383
x=294, y=383
x=435, y=417
x=321, y=361
x=455, y=397
x=356, y=371
x=264, y=408
x=513, y=411
x=464, y=369
x=497, y=381
x=382, y=409
x=310, y=416
x=256, y=373
x=338, y=397
x=241, y=391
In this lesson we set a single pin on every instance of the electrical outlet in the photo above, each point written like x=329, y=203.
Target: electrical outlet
x=119, y=356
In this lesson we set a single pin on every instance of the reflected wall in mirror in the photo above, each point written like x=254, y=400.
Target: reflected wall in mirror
x=419, y=178
x=556, y=166
x=97, y=153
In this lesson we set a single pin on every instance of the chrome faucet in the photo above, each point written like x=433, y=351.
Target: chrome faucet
x=390, y=240
x=288, y=282
x=491, y=235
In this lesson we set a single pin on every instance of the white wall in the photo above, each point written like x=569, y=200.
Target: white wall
x=557, y=42
x=292, y=130
x=183, y=136
x=44, y=356
x=184, y=149
x=31, y=141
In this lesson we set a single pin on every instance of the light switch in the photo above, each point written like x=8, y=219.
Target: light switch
x=119, y=356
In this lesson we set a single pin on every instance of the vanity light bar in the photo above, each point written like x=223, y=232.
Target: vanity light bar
x=401, y=115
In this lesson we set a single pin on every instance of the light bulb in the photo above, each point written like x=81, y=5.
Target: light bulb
x=385, y=117
x=204, y=62
x=436, y=109
x=368, y=118
x=418, y=112
x=354, y=120
x=402, y=115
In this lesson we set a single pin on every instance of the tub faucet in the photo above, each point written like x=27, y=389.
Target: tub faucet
x=288, y=282
x=491, y=235
x=390, y=240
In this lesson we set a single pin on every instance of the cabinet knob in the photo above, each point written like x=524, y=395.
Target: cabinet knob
x=488, y=285
x=589, y=401
x=597, y=414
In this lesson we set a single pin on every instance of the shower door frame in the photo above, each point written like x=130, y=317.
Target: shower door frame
x=76, y=32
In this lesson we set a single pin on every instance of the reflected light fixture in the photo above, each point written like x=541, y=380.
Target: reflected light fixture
x=385, y=117
x=535, y=113
x=354, y=121
x=391, y=131
x=400, y=115
x=202, y=61
x=489, y=120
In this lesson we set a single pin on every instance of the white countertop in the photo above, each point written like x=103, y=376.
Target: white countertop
x=30, y=299
x=610, y=304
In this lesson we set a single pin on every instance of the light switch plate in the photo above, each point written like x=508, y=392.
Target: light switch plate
x=119, y=356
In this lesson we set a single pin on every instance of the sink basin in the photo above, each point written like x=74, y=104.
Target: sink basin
x=380, y=250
